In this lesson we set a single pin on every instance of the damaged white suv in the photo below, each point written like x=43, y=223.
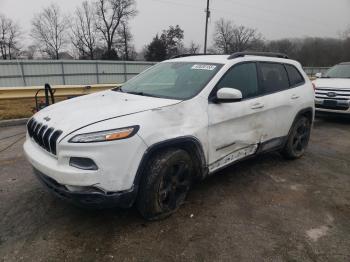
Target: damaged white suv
x=179, y=121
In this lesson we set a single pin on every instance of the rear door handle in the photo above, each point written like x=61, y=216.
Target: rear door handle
x=257, y=106
x=295, y=96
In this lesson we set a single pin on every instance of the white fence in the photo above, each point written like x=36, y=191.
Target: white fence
x=78, y=72
x=67, y=72
x=311, y=71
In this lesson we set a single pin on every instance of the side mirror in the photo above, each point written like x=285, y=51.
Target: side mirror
x=318, y=75
x=228, y=95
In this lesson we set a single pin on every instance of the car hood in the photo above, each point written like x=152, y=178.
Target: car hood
x=334, y=83
x=73, y=114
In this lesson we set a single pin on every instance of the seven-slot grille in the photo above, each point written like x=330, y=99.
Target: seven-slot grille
x=330, y=93
x=43, y=135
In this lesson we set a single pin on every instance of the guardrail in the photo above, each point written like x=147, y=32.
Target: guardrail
x=7, y=93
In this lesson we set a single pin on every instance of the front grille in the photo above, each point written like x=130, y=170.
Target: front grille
x=333, y=93
x=44, y=136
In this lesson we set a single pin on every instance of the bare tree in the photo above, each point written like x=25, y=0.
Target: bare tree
x=223, y=36
x=244, y=38
x=229, y=38
x=124, y=41
x=50, y=30
x=9, y=38
x=110, y=15
x=30, y=51
x=84, y=31
x=285, y=46
x=193, y=48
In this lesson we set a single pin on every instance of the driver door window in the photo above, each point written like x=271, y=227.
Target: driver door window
x=242, y=77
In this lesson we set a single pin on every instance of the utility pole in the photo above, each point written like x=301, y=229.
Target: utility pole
x=207, y=11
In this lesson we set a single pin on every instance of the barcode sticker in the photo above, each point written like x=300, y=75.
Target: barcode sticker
x=204, y=67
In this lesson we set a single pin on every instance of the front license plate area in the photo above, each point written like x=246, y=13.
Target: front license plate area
x=330, y=103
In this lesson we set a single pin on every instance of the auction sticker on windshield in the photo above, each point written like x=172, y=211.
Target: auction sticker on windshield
x=204, y=67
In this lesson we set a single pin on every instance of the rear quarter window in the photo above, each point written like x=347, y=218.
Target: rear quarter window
x=295, y=77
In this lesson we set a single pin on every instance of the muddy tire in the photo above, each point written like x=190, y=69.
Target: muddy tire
x=298, y=139
x=165, y=184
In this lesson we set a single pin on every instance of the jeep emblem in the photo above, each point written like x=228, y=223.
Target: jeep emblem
x=47, y=119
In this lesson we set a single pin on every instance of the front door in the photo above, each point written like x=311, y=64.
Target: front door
x=235, y=129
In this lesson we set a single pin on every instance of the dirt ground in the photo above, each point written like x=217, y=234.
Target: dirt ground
x=264, y=209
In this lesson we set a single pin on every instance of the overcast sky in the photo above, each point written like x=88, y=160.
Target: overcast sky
x=273, y=18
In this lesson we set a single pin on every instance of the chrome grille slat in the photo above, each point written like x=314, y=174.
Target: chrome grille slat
x=46, y=138
x=53, y=140
x=34, y=127
x=338, y=94
x=36, y=131
x=335, y=98
x=332, y=90
x=43, y=135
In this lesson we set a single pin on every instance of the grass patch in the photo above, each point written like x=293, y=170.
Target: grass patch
x=20, y=108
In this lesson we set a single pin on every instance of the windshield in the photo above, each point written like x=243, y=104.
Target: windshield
x=173, y=80
x=339, y=71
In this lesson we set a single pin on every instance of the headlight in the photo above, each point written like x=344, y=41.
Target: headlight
x=108, y=135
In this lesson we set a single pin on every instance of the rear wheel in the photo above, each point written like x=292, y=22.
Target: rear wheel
x=298, y=139
x=165, y=184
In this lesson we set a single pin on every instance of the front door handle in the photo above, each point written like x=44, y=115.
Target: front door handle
x=295, y=96
x=257, y=106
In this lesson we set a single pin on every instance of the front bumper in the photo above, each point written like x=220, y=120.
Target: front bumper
x=337, y=106
x=117, y=163
x=93, y=198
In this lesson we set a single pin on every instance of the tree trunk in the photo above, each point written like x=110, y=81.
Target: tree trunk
x=126, y=47
x=91, y=54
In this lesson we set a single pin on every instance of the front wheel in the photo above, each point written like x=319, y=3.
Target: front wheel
x=298, y=139
x=165, y=184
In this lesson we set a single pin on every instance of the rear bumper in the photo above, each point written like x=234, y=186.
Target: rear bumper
x=93, y=198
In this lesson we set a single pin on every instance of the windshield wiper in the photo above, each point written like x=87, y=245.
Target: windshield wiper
x=139, y=93
x=118, y=89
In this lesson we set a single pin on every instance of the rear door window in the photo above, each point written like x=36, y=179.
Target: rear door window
x=295, y=78
x=273, y=77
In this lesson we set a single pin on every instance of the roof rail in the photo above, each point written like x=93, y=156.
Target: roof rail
x=186, y=55
x=267, y=54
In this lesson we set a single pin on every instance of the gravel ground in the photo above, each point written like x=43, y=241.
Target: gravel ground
x=264, y=209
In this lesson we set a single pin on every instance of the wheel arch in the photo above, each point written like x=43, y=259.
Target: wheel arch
x=306, y=112
x=189, y=143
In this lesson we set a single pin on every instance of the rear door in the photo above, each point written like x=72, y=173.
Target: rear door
x=282, y=87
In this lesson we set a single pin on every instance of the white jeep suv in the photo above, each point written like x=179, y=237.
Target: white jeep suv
x=333, y=90
x=181, y=120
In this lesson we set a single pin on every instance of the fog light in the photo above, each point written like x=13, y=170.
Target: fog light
x=83, y=163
